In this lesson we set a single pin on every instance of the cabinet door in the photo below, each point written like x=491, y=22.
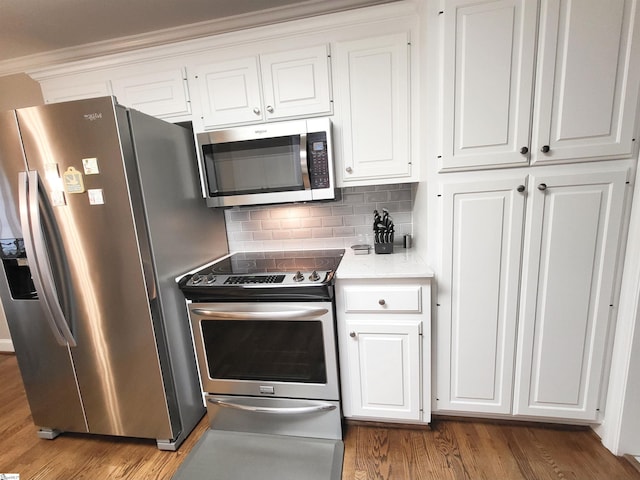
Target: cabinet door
x=385, y=364
x=372, y=95
x=296, y=83
x=487, y=83
x=229, y=92
x=568, y=273
x=476, y=333
x=65, y=90
x=161, y=94
x=587, y=81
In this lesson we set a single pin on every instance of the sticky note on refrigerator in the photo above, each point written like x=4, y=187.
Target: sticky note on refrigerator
x=90, y=166
x=96, y=196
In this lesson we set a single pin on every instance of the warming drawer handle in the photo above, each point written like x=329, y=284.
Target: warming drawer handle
x=274, y=315
x=322, y=407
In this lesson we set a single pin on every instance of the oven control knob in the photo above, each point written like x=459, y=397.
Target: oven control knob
x=197, y=279
x=211, y=278
x=298, y=277
x=314, y=277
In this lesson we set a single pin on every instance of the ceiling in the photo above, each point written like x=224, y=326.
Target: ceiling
x=36, y=32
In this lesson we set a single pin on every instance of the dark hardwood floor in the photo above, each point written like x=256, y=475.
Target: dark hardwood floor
x=451, y=449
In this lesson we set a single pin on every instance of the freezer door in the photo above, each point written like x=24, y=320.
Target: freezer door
x=45, y=365
x=104, y=285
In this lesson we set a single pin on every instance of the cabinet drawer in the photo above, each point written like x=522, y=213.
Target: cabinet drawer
x=407, y=298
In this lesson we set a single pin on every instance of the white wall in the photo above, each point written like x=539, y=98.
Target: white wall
x=16, y=91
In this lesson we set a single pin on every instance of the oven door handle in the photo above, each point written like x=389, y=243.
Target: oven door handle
x=297, y=314
x=321, y=407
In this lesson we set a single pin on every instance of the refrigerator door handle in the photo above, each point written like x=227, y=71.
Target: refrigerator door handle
x=34, y=265
x=43, y=261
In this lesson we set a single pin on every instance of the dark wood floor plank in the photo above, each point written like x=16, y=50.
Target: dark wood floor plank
x=450, y=450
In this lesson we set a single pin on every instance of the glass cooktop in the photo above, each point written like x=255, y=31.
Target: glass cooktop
x=255, y=263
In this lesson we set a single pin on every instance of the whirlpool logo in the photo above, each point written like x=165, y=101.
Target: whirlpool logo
x=92, y=117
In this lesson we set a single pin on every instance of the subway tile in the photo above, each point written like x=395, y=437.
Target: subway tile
x=251, y=226
x=324, y=211
x=353, y=198
x=400, y=195
x=342, y=210
x=332, y=221
x=263, y=214
x=344, y=232
x=380, y=196
x=311, y=222
x=270, y=224
x=237, y=215
x=353, y=220
x=288, y=223
x=322, y=232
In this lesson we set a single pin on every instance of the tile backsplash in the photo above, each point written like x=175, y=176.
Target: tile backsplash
x=333, y=224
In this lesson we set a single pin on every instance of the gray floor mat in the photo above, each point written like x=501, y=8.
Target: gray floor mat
x=221, y=455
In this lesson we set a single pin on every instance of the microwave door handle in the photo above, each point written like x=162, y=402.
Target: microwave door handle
x=322, y=407
x=34, y=263
x=301, y=314
x=304, y=166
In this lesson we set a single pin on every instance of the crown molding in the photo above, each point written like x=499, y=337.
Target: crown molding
x=307, y=9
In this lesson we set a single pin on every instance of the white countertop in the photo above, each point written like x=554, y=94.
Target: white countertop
x=402, y=263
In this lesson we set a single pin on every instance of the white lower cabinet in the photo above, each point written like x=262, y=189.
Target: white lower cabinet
x=526, y=292
x=384, y=352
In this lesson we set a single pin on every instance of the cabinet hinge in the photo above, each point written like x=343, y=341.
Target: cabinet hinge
x=440, y=12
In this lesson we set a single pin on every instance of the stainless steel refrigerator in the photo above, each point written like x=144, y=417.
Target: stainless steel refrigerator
x=101, y=210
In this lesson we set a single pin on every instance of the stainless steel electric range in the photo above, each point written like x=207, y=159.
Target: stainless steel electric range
x=264, y=330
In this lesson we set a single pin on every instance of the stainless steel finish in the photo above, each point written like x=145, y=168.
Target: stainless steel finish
x=324, y=423
x=112, y=268
x=29, y=242
x=304, y=169
x=43, y=259
x=269, y=130
x=298, y=279
x=270, y=109
x=256, y=110
x=252, y=132
x=46, y=367
x=321, y=407
x=542, y=187
x=286, y=313
x=268, y=311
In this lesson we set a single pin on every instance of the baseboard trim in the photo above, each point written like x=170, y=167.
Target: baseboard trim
x=6, y=345
x=633, y=461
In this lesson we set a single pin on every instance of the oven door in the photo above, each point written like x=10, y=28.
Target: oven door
x=270, y=349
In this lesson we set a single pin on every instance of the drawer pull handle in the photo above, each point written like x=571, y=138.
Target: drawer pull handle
x=352, y=334
x=381, y=301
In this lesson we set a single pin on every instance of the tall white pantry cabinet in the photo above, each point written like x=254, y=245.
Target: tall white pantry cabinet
x=530, y=253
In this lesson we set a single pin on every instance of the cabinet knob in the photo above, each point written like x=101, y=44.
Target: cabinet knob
x=381, y=302
x=352, y=334
x=256, y=110
x=349, y=170
x=542, y=187
x=524, y=150
x=545, y=149
x=521, y=188
x=269, y=109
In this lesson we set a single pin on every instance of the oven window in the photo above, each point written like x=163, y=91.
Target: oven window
x=278, y=351
x=253, y=166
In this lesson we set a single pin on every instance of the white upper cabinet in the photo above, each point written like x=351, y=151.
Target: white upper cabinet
x=372, y=83
x=587, y=80
x=64, y=89
x=163, y=93
x=262, y=88
x=296, y=83
x=488, y=82
x=582, y=106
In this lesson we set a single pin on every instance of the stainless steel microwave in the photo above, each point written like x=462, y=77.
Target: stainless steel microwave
x=267, y=163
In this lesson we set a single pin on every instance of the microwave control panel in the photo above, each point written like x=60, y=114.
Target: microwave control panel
x=318, y=159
